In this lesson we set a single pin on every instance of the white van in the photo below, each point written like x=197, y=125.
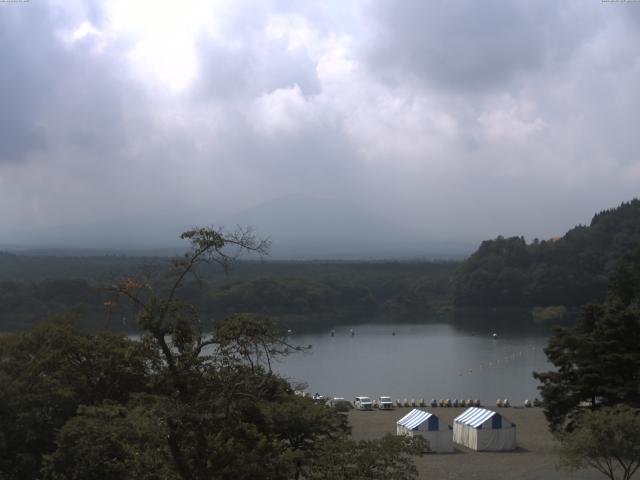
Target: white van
x=386, y=403
x=362, y=403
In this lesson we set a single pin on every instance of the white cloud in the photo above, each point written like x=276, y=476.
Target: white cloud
x=510, y=121
x=282, y=111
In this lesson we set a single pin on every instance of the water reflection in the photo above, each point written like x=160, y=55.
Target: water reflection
x=419, y=361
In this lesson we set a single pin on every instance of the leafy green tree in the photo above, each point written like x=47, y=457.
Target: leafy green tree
x=226, y=418
x=384, y=459
x=607, y=440
x=597, y=363
x=598, y=360
x=625, y=282
x=112, y=442
x=47, y=373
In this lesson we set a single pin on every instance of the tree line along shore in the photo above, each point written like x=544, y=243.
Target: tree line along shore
x=540, y=282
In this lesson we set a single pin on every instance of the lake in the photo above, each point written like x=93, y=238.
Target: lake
x=419, y=361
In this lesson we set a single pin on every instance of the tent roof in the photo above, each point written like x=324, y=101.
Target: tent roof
x=474, y=416
x=414, y=418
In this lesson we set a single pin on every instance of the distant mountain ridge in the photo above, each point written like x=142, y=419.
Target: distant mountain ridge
x=571, y=270
x=305, y=218
x=300, y=227
x=305, y=227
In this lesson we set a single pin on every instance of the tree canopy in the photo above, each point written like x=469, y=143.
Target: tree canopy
x=607, y=440
x=571, y=270
x=305, y=295
x=47, y=373
x=597, y=361
x=182, y=403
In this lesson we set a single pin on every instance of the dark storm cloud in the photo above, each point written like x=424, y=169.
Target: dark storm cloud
x=459, y=118
x=467, y=45
x=54, y=93
x=91, y=99
x=24, y=78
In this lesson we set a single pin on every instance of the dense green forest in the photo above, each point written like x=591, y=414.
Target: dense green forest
x=570, y=271
x=506, y=274
x=304, y=295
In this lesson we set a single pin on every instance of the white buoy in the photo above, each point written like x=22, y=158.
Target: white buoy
x=495, y=335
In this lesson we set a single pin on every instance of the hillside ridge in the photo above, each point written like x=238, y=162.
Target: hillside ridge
x=571, y=271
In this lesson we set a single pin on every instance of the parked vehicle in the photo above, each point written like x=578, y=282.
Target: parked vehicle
x=385, y=403
x=362, y=403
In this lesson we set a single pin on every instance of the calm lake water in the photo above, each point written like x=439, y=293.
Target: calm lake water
x=420, y=361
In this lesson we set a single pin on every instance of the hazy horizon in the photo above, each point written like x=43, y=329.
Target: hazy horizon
x=298, y=227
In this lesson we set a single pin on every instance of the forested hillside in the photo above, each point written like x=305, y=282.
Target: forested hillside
x=571, y=270
x=505, y=272
x=306, y=295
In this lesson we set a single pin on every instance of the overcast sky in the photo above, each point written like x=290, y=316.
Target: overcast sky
x=459, y=118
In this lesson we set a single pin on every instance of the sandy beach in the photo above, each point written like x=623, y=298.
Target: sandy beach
x=534, y=459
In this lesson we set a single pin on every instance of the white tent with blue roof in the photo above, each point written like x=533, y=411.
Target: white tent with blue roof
x=427, y=425
x=484, y=430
